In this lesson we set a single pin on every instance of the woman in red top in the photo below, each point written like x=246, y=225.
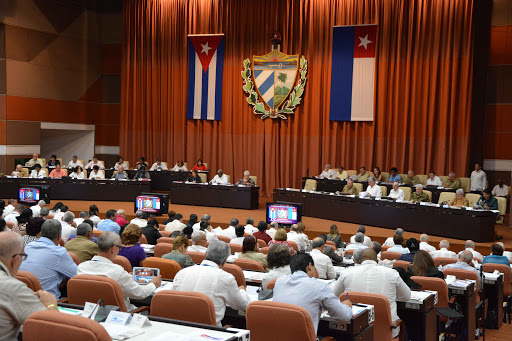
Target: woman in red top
x=262, y=234
x=199, y=166
x=281, y=238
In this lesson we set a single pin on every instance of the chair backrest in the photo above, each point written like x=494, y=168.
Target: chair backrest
x=229, y=178
x=83, y=162
x=310, y=185
x=446, y=196
x=401, y=264
x=43, y=160
x=224, y=239
x=162, y=249
x=265, y=250
x=97, y=233
x=74, y=258
x=359, y=187
x=272, y=314
x=423, y=179
x=407, y=193
x=166, y=234
x=203, y=177
x=331, y=244
x=249, y=264
x=502, y=205
x=168, y=268
x=85, y=173
x=429, y=193
x=45, y=171
x=384, y=190
x=390, y=255
x=385, y=176
x=382, y=311
x=472, y=198
x=254, y=178
x=235, y=248
x=272, y=284
x=443, y=178
x=385, y=248
x=465, y=183
x=143, y=239
x=261, y=243
x=29, y=279
x=293, y=245
x=89, y=288
x=444, y=261
x=507, y=278
x=434, y=284
x=351, y=172
x=187, y=306
x=124, y=262
x=70, y=327
x=463, y=274
x=350, y=252
x=165, y=240
x=403, y=176
x=197, y=257
x=237, y=272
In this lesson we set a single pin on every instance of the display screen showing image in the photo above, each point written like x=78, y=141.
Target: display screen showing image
x=28, y=195
x=146, y=203
x=144, y=275
x=282, y=214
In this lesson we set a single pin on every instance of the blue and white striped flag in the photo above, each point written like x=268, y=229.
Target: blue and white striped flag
x=205, y=67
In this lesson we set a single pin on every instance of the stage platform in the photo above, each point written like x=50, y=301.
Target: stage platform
x=314, y=226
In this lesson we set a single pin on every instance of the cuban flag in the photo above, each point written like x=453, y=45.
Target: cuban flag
x=205, y=66
x=353, y=73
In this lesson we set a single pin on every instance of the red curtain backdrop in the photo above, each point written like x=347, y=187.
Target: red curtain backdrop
x=423, y=87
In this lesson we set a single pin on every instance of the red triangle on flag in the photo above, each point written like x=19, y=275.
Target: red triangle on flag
x=205, y=47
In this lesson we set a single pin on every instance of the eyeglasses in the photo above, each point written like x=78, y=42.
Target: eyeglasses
x=120, y=247
x=23, y=256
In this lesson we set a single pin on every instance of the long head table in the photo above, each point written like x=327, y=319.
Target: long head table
x=160, y=180
x=72, y=189
x=228, y=196
x=477, y=225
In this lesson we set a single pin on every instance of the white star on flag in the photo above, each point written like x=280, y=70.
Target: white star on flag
x=206, y=48
x=364, y=42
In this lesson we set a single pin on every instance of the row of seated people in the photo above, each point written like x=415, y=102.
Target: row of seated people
x=51, y=264
x=476, y=183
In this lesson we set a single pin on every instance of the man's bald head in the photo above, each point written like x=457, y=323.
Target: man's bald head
x=466, y=256
x=11, y=244
x=368, y=254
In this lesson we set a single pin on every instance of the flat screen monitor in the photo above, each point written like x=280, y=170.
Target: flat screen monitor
x=284, y=213
x=154, y=203
x=30, y=195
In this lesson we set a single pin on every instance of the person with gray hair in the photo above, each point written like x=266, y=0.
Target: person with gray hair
x=198, y=242
x=470, y=246
x=419, y=195
x=443, y=251
x=230, y=230
x=376, y=247
x=18, y=301
x=138, y=220
x=294, y=236
x=356, y=257
x=327, y=173
x=45, y=211
x=322, y=262
x=81, y=245
x=358, y=242
x=49, y=262
x=206, y=218
x=102, y=264
x=246, y=180
x=36, y=209
x=209, y=279
x=389, y=241
x=249, y=226
x=396, y=192
x=220, y=178
x=465, y=262
x=460, y=200
x=274, y=226
x=367, y=240
x=81, y=217
x=452, y=182
x=121, y=218
x=68, y=226
x=424, y=245
x=373, y=190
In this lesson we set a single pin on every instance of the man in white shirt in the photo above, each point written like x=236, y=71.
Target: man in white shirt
x=37, y=172
x=209, y=279
x=75, y=163
x=367, y=240
x=478, y=179
x=239, y=231
x=230, y=230
x=109, y=244
x=9, y=208
x=11, y=217
x=372, y=278
x=158, y=166
x=327, y=173
x=176, y=224
x=396, y=192
x=398, y=241
x=443, y=251
x=95, y=162
x=434, y=180
x=36, y=209
x=470, y=246
x=35, y=160
x=294, y=236
x=500, y=190
x=141, y=219
x=507, y=254
x=322, y=262
x=358, y=242
x=249, y=226
x=198, y=242
x=424, y=245
x=205, y=217
x=81, y=217
x=67, y=228
x=373, y=190
x=389, y=241
x=220, y=178
x=273, y=229
x=96, y=174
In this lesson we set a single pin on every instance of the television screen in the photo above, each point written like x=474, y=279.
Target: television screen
x=154, y=203
x=284, y=213
x=30, y=195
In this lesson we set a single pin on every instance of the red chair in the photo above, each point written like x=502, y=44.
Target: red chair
x=402, y=264
x=271, y=284
x=435, y=284
x=265, y=250
x=162, y=249
x=74, y=258
x=29, y=279
x=124, y=262
x=444, y=261
x=224, y=239
x=168, y=268
x=390, y=255
x=143, y=239
x=165, y=240
x=350, y=251
x=235, y=248
x=385, y=248
x=465, y=274
x=188, y=306
x=261, y=243
x=293, y=245
x=97, y=233
x=166, y=233
x=237, y=272
x=197, y=257
x=249, y=264
x=331, y=244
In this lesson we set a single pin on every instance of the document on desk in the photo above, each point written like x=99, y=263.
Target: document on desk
x=200, y=336
x=253, y=275
x=419, y=296
x=118, y=332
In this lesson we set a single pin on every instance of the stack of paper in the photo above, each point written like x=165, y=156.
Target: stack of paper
x=118, y=332
x=419, y=296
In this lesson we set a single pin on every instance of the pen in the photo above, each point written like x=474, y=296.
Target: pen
x=346, y=296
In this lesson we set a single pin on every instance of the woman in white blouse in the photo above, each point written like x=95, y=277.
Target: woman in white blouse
x=96, y=174
x=121, y=162
x=37, y=172
x=180, y=167
x=77, y=174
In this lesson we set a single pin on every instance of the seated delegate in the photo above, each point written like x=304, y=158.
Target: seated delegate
x=199, y=166
x=246, y=180
x=158, y=166
x=179, y=167
x=194, y=178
